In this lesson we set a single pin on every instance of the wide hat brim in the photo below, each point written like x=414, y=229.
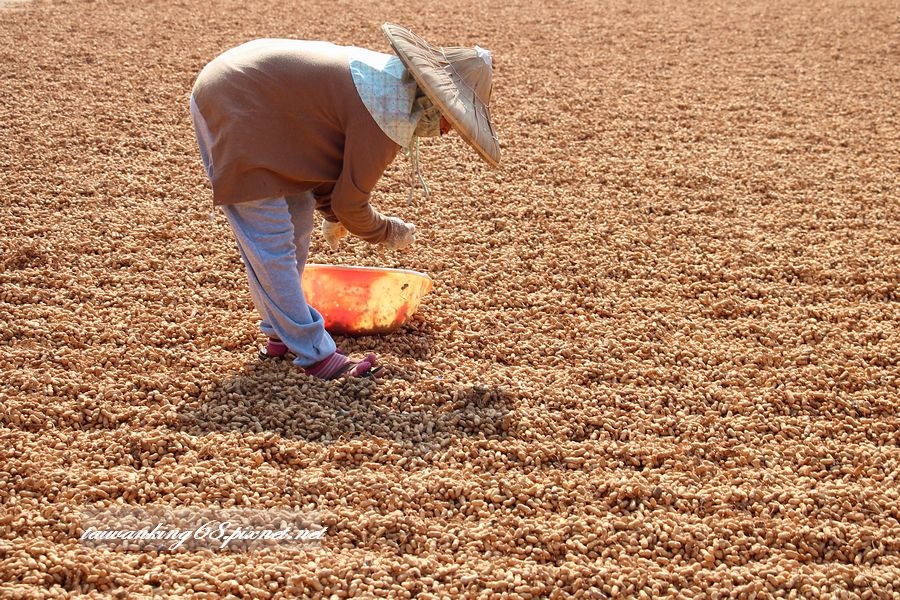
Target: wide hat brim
x=442, y=73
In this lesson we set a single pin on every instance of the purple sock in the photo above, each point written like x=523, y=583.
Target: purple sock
x=275, y=348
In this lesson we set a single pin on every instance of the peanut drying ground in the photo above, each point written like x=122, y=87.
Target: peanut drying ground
x=661, y=356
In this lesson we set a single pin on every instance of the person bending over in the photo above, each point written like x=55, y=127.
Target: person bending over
x=290, y=127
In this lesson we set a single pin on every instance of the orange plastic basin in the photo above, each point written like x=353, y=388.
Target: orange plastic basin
x=363, y=300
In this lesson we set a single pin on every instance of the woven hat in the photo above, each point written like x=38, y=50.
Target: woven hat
x=458, y=82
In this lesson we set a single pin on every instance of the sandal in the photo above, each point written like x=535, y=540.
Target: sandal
x=340, y=365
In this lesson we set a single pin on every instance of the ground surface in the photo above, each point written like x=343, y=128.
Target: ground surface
x=660, y=358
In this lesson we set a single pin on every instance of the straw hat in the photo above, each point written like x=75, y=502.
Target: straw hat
x=458, y=82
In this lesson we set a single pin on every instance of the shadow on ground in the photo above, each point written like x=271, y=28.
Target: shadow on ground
x=275, y=397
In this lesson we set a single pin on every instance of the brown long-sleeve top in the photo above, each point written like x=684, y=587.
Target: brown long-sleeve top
x=285, y=117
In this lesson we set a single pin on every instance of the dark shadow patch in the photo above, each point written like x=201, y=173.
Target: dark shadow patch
x=276, y=397
x=28, y=256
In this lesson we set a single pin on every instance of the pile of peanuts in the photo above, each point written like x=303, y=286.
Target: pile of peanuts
x=660, y=358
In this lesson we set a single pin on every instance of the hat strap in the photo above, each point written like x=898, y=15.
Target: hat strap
x=416, y=172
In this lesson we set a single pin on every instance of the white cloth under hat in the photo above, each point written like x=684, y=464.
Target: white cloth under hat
x=387, y=90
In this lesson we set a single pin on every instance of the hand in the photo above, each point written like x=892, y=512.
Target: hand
x=401, y=234
x=333, y=233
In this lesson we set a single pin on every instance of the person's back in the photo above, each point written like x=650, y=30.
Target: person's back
x=280, y=112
